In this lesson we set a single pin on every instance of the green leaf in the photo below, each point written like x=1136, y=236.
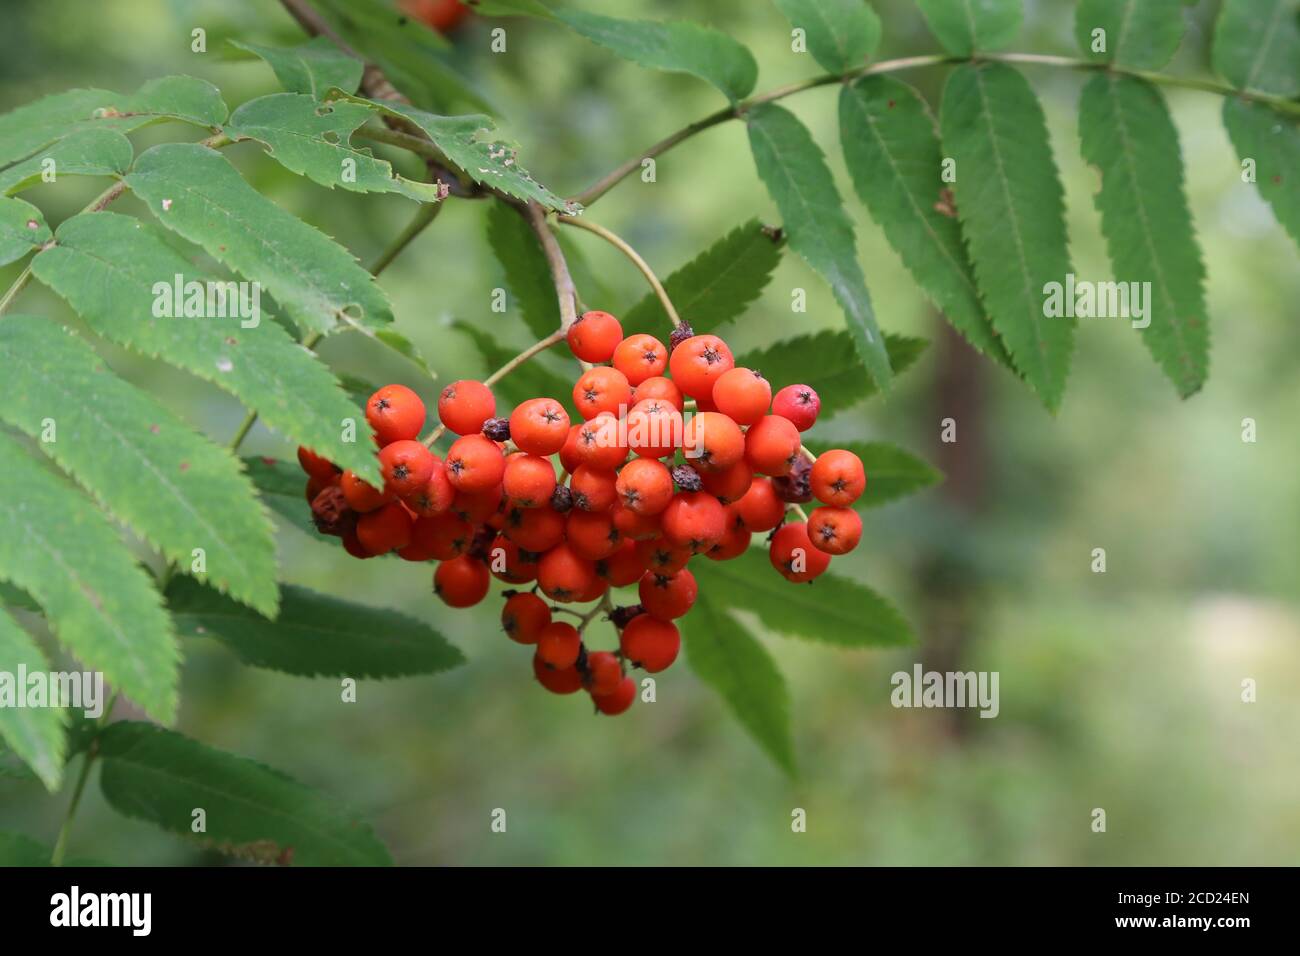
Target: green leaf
x=315, y=635
x=22, y=229
x=1139, y=34
x=18, y=850
x=312, y=67
x=964, y=27
x=195, y=192
x=399, y=343
x=530, y=380
x=826, y=361
x=830, y=610
x=252, y=811
x=892, y=473
x=1272, y=141
x=315, y=140
x=90, y=152
x=1011, y=206
x=719, y=284
x=677, y=47
x=1127, y=133
x=527, y=273
x=731, y=661
x=11, y=596
x=36, y=125
x=841, y=34
x=467, y=143
x=1257, y=45
x=34, y=733
x=98, y=601
x=795, y=173
x=176, y=489
x=892, y=150
x=108, y=266
x=283, y=486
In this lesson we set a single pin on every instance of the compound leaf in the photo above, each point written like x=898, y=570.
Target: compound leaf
x=34, y=733
x=1139, y=34
x=1257, y=45
x=313, y=67
x=964, y=27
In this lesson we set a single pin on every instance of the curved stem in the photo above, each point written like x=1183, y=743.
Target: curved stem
x=565, y=292
x=65, y=829
x=587, y=618
x=611, y=179
x=426, y=214
x=632, y=254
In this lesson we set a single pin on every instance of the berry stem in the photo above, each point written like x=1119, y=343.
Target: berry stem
x=632, y=254
x=565, y=292
x=812, y=459
x=798, y=509
x=587, y=618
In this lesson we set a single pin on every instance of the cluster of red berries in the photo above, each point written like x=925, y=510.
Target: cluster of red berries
x=495, y=507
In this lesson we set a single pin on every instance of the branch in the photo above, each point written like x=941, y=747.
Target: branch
x=564, y=288
x=632, y=254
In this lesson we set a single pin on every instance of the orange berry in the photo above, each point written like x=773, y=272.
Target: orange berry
x=361, y=495
x=594, y=335
x=523, y=616
x=601, y=389
x=835, y=530
x=733, y=544
x=713, y=442
x=623, y=567
x=594, y=489
x=640, y=357
x=772, y=445
x=406, y=466
x=668, y=596
x=760, y=509
x=742, y=395
x=729, y=485
x=534, y=529
x=793, y=555
x=564, y=575
x=650, y=643
x=566, y=680
x=698, y=362
x=644, y=486
x=386, y=529
x=435, y=496
x=661, y=388
x=591, y=534
x=511, y=563
x=539, y=426
x=694, y=520
x=618, y=700
x=838, y=478
x=395, y=413
x=654, y=428
x=632, y=524
x=558, y=645
x=474, y=463
x=599, y=443
x=657, y=554
x=477, y=507
x=441, y=537
x=529, y=480
x=465, y=405
x=604, y=673
x=462, y=581
x=315, y=466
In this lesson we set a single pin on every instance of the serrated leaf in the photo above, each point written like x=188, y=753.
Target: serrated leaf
x=892, y=150
x=315, y=635
x=399, y=343
x=252, y=811
x=527, y=273
x=530, y=380
x=826, y=361
x=107, y=267
x=315, y=140
x=467, y=143
x=171, y=485
x=89, y=152
x=892, y=473
x=719, y=284
x=195, y=192
x=794, y=170
x=1139, y=34
x=841, y=34
x=97, y=600
x=22, y=229
x=283, y=486
x=1257, y=45
x=313, y=67
x=832, y=609
x=964, y=27
x=1011, y=207
x=731, y=661
x=1126, y=131
x=34, y=733
x=36, y=125
x=1272, y=141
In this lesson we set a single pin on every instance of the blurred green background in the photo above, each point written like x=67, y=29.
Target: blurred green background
x=1118, y=690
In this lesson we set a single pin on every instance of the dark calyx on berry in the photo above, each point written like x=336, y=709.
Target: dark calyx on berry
x=687, y=478
x=497, y=429
x=621, y=615
x=561, y=498
x=679, y=335
x=795, y=487
x=482, y=542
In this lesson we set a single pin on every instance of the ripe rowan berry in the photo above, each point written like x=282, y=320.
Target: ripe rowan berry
x=772, y=446
x=654, y=428
x=474, y=463
x=838, y=478
x=601, y=389
x=618, y=700
x=395, y=413
x=591, y=534
x=442, y=15
x=661, y=388
x=712, y=442
x=799, y=403
x=462, y=581
x=558, y=644
x=729, y=485
x=623, y=567
x=742, y=395
x=835, y=530
x=694, y=520
x=793, y=555
x=668, y=596
x=564, y=575
x=644, y=486
x=659, y=555
x=529, y=481
x=361, y=495
x=599, y=443
x=315, y=465
x=698, y=362
x=632, y=525
x=733, y=544
x=465, y=405
x=650, y=643
x=510, y=563
x=534, y=529
x=566, y=680
x=640, y=357
x=353, y=546
x=760, y=509
x=594, y=489
x=523, y=616
x=385, y=529
x=406, y=466
x=594, y=335
x=477, y=507
x=593, y=593
x=442, y=537
x=539, y=426
x=604, y=672
x=435, y=496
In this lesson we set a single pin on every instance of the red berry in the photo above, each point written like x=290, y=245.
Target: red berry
x=462, y=581
x=650, y=643
x=442, y=537
x=599, y=443
x=662, y=388
x=594, y=489
x=558, y=644
x=566, y=680
x=694, y=520
x=569, y=456
x=799, y=403
x=760, y=509
x=733, y=544
x=465, y=405
x=592, y=534
x=742, y=395
x=384, y=530
x=697, y=364
x=602, y=389
x=361, y=495
x=838, y=478
x=712, y=442
x=539, y=426
x=435, y=496
x=640, y=357
x=772, y=446
x=618, y=700
x=623, y=567
x=529, y=480
x=523, y=616
x=604, y=672
x=594, y=335
x=353, y=546
x=633, y=525
x=315, y=466
x=654, y=428
x=511, y=563
x=659, y=555
x=644, y=486
x=395, y=413
x=729, y=485
x=564, y=575
x=793, y=555
x=534, y=529
x=834, y=530
x=477, y=507
x=668, y=596
x=406, y=466
x=474, y=463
